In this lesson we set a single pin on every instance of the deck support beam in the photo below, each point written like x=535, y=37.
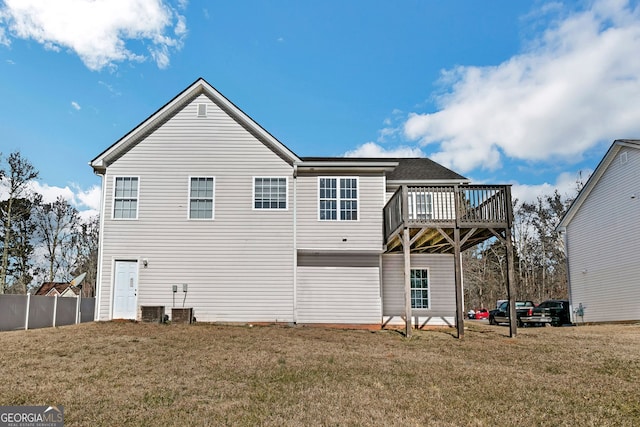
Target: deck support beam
x=407, y=281
x=458, y=278
x=513, y=319
x=406, y=249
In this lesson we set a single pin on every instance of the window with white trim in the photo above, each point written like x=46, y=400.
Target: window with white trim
x=201, y=197
x=419, y=288
x=125, y=198
x=338, y=199
x=270, y=193
x=420, y=205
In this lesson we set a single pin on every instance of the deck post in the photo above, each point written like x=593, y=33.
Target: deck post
x=513, y=318
x=406, y=248
x=458, y=278
x=457, y=261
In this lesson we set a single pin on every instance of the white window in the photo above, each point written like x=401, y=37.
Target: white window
x=125, y=198
x=419, y=288
x=270, y=193
x=338, y=199
x=420, y=205
x=201, y=198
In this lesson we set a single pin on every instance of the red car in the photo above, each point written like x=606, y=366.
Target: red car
x=482, y=313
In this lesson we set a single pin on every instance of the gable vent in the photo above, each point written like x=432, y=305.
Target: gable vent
x=623, y=157
x=202, y=110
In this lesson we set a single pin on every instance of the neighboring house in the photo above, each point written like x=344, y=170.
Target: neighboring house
x=200, y=194
x=601, y=232
x=62, y=289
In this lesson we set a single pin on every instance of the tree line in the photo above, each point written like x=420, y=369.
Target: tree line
x=539, y=257
x=40, y=241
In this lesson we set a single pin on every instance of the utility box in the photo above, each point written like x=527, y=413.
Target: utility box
x=152, y=313
x=182, y=315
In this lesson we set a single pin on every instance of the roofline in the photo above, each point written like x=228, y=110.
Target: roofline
x=594, y=178
x=352, y=159
x=418, y=182
x=348, y=163
x=200, y=86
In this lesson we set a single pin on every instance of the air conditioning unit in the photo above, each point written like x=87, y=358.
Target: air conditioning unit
x=182, y=315
x=152, y=313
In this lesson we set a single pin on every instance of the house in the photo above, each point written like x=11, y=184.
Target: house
x=200, y=198
x=62, y=289
x=600, y=232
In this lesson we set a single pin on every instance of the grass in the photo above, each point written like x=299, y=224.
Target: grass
x=135, y=374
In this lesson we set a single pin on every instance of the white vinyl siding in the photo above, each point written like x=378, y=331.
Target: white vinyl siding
x=337, y=199
x=602, y=244
x=270, y=193
x=339, y=295
x=210, y=256
x=442, y=301
x=364, y=234
x=125, y=197
x=201, y=197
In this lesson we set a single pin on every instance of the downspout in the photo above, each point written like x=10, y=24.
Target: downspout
x=96, y=309
x=295, y=243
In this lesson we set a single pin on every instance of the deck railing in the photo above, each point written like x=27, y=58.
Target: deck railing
x=448, y=206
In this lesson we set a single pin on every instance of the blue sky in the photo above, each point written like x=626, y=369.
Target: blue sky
x=520, y=92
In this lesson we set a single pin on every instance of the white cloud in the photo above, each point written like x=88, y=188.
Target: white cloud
x=75, y=105
x=4, y=40
x=89, y=198
x=97, y=30
x=110, y=88
x=575, y=86
x=86, y=201
x=371, y=149
x=566, y=184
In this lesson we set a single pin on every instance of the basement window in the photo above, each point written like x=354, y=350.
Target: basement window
x=419, y=288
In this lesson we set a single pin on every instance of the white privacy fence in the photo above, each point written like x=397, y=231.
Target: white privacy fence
x=36, y=311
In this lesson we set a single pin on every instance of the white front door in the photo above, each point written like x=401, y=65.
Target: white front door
x=125, y=290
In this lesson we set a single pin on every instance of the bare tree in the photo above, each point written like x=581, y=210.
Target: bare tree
x=86, y=241
x=539, y=257
x=20, y=267
x=56, y=225
x=16, y=180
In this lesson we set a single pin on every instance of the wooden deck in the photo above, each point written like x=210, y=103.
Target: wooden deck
x=449, y=219
x=432, y=213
